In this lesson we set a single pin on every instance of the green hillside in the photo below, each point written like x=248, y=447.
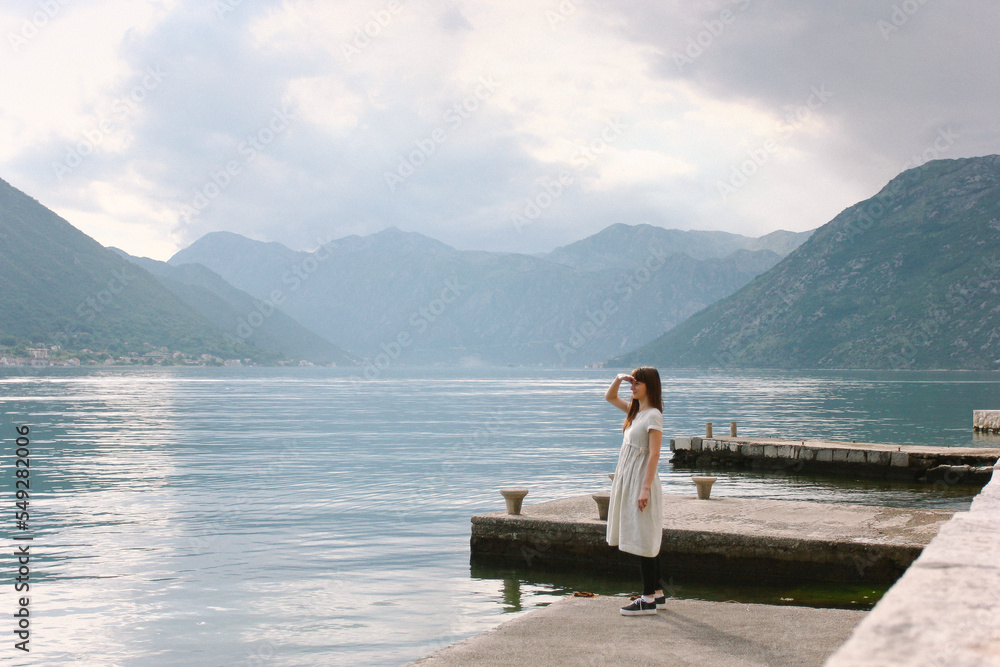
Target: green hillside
x=60, y=287
x=236, y=312
x=907, y=279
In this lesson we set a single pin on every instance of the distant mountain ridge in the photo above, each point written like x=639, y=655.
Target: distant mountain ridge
x=611, y=247
x=907, y=279
x=241, y=316
x=61, y=287
x=365, y=293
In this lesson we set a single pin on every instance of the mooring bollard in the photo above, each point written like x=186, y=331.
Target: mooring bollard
x=513, y=497
x=602, y=499
x=708, y=430
x=704, y=485
x=732, y=429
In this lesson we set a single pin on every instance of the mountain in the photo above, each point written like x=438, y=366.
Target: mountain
x=250, y=320
x=397, y=296
x=907, y=279
x=61, y=287
x=611, y=248
x=245, y=260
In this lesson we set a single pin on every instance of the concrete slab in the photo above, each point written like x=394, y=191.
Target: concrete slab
x=986, y=420
x=945, y=610
x=722, y=539
x=591, y=632
x=923, y=464
x=879, y=458
x=759, y=517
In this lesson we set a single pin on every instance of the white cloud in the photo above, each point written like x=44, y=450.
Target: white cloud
x=626, y=168
x=369, y=84
x=63, y=79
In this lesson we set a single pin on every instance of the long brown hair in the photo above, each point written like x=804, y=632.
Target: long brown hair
x=654, y=394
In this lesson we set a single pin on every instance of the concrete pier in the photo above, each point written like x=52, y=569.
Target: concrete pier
x=945, y=465
x=591, y=632
x=730, y=540
x=946, y=609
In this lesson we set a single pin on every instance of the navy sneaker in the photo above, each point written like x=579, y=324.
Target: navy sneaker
x=661, y=601
x=639, y=607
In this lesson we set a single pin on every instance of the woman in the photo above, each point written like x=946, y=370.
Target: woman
x=635, y=513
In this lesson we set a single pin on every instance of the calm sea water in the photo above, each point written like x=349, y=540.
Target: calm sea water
x=303, y=517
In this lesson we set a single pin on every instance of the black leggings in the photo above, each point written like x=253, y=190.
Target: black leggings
x=651, y=576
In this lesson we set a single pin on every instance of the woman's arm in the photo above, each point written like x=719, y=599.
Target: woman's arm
x=655, y=440
x=611, y=395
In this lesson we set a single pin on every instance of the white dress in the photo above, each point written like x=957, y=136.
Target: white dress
x=629, y=529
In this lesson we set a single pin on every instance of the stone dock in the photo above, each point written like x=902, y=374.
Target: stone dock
x=590, y=632
x=934, y=465
x=945, y=610
x=986, y=421
x=726, y=540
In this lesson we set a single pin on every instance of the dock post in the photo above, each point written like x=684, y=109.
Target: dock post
x=708, y=430
x=603, y=499
x=704, y=485
x=732, y=429
x=513, y=498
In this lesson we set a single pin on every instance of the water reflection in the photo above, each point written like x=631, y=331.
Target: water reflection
x=539, y=587
x=219, y=516
x=512, y=594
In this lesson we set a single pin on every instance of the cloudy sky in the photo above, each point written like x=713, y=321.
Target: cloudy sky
x=507, y=125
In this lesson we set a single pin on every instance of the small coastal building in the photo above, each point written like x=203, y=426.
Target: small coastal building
x=157, y=356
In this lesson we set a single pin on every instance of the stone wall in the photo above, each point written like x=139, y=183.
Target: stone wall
x=986, y=420
x=725, y=540
x=945, y=610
